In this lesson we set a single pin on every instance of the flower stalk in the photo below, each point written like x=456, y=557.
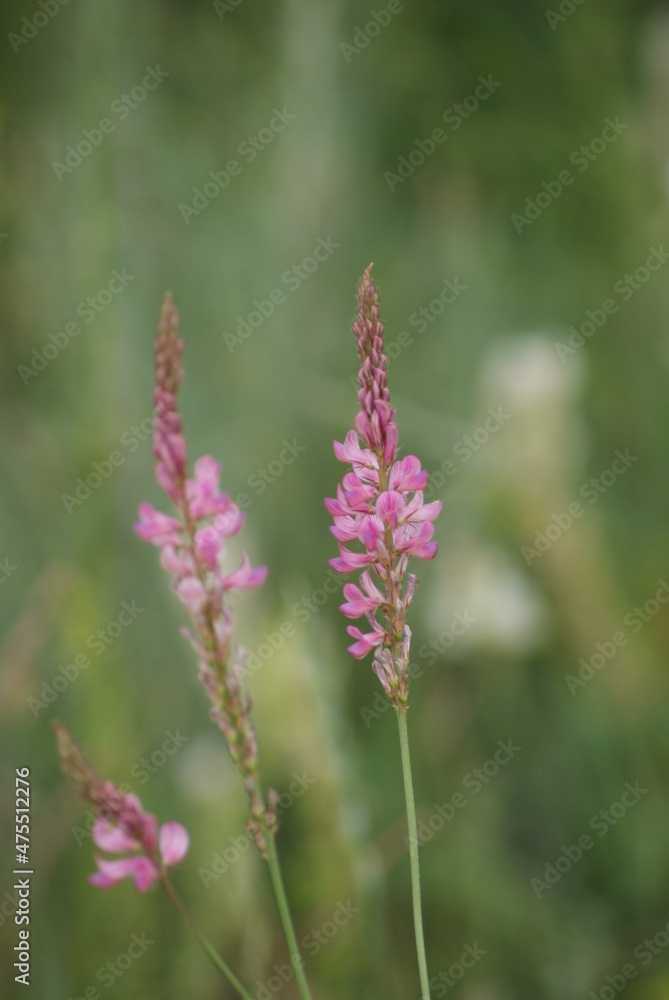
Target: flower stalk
x=380, y=509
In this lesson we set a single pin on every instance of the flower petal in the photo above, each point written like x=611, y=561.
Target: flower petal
x=173, y=842
x=139, y=868
x=112, y=837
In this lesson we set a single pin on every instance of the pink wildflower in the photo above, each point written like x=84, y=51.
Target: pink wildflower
x=379, y=506
x=122, y=826
x=193, y=547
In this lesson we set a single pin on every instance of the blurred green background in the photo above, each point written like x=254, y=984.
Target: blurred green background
x=318, y=104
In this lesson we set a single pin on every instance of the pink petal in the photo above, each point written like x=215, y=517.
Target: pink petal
x=156, y=527
x=407, y=475
x=173, y=840
x=366, y=641
x=140, y=869
x=245, y=577
x=209, y=545
x=112, y=837
x=229, y=520
x=191, y=591
x=391, y=507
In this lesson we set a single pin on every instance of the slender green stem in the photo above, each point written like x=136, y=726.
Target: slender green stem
x=284, y=912
x=207, y=948
x=413, y=850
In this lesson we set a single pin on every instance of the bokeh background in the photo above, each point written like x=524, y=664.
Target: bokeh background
x=522, y=670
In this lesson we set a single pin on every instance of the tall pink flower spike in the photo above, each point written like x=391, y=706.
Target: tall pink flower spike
x=193, y=545
x=379, y=507
x=122, y=826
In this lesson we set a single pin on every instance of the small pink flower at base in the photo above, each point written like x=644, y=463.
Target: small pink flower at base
x=173, y=842
x=379, y=505
x=122, y=826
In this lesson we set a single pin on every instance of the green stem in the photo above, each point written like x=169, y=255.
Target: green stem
x=207, y=948
x=413, y=850
x=284, y=912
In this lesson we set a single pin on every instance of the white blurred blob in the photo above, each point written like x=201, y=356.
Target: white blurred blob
x=544, y=440
x=484, y=583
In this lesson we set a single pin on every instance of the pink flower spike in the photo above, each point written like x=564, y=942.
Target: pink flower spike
x=379, y=505
x=139, y=868
x=245, y=578
x=173, y=842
